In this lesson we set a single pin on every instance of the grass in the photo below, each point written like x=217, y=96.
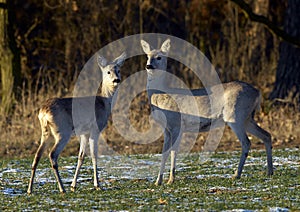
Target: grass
x=128, y=184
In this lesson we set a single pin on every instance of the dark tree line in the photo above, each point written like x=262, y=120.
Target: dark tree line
x=61, y=35
x=287, y=82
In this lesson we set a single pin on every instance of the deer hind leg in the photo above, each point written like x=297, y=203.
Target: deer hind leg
x=176, y=138
x=81, y=155
x=38, y=155
x=60, y=142
x=257, y=131
x=240, y=132
x=165, y=155
x=93, y=141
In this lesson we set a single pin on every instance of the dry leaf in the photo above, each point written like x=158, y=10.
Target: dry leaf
x=162, y=201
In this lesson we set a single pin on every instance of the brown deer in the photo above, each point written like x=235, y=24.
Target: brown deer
x=236, y=108
x=56, y=118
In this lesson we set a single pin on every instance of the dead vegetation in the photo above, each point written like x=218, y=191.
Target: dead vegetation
x=51, y=62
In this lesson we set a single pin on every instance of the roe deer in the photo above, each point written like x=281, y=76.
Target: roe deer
x=235, y=108
x=56, y=118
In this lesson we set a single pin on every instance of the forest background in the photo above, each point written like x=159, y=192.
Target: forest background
x=45, y=44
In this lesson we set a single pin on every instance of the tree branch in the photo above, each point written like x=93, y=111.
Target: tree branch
x=265, y=21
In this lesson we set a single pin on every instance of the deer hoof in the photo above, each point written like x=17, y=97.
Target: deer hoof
x=98, y=188
x=171, y=181
x=157, y=183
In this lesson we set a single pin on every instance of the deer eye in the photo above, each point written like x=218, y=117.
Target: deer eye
x=108, y=72
x=158, y=58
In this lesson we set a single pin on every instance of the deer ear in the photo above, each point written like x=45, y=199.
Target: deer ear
x=165, y=47
x=120, y=60
x=145, y=46
x=102, y=62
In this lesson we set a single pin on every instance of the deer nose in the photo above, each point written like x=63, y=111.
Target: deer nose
x=117, y=81
x=149, y=67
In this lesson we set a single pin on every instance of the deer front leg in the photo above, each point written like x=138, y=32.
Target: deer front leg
x=81, y=155
x=172, y=168
x=93, y=141
x=165, y=154
x=162, y=168
x=175, y=147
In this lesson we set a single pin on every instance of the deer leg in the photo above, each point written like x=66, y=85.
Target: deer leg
x=239, y=130
x=172, y=168
x=165, y=154
x=37, y=158
x=176, y=137
x=60, y=143
x=257, y=131
x=81, y=155
x=93, y=141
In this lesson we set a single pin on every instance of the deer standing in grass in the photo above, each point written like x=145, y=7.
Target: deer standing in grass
x=56, y=118
x=236, y=108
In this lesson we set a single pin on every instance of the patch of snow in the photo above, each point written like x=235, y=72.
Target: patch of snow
x=278, y=209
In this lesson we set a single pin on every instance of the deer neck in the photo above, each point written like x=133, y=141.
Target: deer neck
x=108, y=92
x=156, y=83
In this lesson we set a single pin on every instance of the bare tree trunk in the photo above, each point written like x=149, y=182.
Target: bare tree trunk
x=68, y=37
x=6, y=64
x=287, y=84
x=257, y=35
